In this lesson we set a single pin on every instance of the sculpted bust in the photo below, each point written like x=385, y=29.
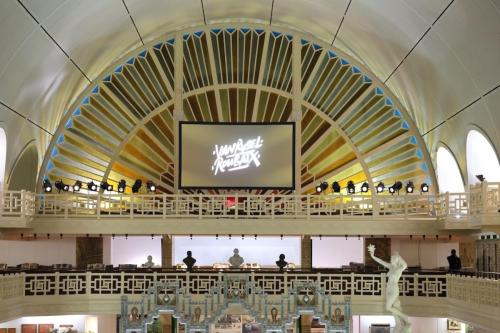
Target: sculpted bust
x=236, y=260
x=281, y=263
x=189, y=261
x=149, y=263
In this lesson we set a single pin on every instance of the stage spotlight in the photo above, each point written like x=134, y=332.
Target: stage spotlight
x=151, y=186
x=424, y=188
x=137, y=185
x=396, y=187
x=410, y=187
x=364, y=187
x=480, y=178
x=380, y=187
x=121, y=186
x=61, y=186
x=351, y=189
x=336, y=187
x=92, y=186
x=107, y=187
x=321, y=187
x=77, y=186
x=47, y=186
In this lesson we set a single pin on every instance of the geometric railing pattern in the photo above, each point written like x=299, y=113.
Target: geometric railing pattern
x=199, y=283
x=181, y=292
x=193, y=288
x=482, y=200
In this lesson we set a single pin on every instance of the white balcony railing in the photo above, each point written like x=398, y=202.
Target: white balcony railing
x=483, y=199
x=108, y=289
x=27, y=284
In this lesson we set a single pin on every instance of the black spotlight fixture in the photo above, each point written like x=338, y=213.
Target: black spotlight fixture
x=424, y=188
x=380, y=187
x=350, y=187
x=77, y=186
x=321, y=187
x=480, y=178
x=47, y=186
x=365, y=187
x=106, y=186
x=410, y=187
x=151, y=186
x=92, y=186
x=336, y=187
x=121, y=186
x=396, y=187
x=137, y=186
x=61, y=186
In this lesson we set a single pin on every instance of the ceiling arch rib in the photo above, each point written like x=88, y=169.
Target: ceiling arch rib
x=123, y=127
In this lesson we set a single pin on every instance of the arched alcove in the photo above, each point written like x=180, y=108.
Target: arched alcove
x=3, y=154
x=481, y=158
x=447, y=172
x=24, y=173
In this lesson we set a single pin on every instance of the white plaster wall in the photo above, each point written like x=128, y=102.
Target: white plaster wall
x=430, y=254
x=361, y=324
x=134, y=250
x=330, y=252
x=78, y=322
x=264, y=250
x=41, y=251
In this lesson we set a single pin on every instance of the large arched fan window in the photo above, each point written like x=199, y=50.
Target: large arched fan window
x=448, y=172
x=481, y=158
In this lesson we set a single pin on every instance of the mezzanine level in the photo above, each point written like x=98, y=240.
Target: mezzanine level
x=72, y=212
x=470, y=298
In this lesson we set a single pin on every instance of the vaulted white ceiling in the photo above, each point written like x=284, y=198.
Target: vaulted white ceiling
x=440, y=57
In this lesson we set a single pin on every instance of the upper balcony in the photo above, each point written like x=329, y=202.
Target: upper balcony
x=106, y=213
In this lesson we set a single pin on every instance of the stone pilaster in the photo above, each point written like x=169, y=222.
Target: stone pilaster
x=306, y=252
x=166, y=251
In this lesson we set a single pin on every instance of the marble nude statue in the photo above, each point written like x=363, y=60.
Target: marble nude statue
x=392, y=303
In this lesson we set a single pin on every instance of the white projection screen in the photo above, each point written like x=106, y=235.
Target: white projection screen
x=237, y=155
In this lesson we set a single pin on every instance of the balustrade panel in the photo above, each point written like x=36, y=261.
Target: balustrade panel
x=337, y=284
x=484, y=199
x=72, y=284
x=367, y=285
x=431, y=286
